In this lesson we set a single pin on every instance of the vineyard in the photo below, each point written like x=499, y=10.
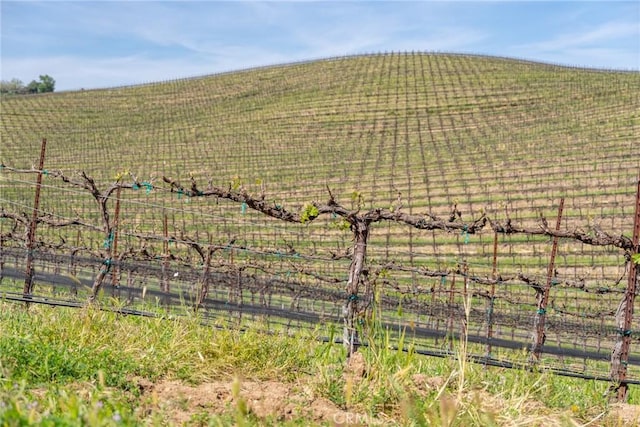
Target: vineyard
x=443, y=196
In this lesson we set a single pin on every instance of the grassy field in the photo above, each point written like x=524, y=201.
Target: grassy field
x=85, y=367
x=492, y=136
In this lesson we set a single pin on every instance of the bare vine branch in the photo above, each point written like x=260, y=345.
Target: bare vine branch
x=597, y=238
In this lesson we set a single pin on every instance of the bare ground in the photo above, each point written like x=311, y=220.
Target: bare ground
x=266, y=400
x=278, y=401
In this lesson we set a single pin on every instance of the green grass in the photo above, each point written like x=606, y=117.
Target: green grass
x=85, y=367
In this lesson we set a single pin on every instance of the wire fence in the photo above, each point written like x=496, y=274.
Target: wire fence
x=414, y=146
x=71, y=260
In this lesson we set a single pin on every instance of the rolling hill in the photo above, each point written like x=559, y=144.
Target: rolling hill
x=494, y=136
x=486, y=133
x=417, y=132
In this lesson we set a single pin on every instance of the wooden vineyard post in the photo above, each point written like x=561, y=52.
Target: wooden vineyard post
x=543, y=299
x=165, y=262
x=204, y=279
x=624, y=314
x=28, y=280
x=109, y=226
x=492, y=295
x=1, y=253
x=116, y=215
x=451, y=312
x=465, y=304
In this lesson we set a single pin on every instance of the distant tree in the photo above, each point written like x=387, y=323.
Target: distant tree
x=15, y=86
x=46, y=84
x=12, y=86
x=32, y=87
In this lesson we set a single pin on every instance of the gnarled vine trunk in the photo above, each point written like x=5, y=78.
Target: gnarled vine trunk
x=351, y=310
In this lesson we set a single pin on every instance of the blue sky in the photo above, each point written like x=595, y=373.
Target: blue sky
x=85, y=44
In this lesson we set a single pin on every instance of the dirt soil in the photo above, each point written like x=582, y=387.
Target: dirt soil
x=268, y=399
x=278, y=401
x=623, y=414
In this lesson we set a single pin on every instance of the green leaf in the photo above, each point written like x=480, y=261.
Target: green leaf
x=635, y=258
x=235, y=183
x=345, y=225
x=309, y=213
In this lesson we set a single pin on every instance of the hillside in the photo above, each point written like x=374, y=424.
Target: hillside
x=489, y=135
x=486, y=133
x=435, y=126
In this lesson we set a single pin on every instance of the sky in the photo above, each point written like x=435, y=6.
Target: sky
x=98, y=44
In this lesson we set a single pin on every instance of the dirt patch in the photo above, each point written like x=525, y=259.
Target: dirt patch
x=623, y=414
x=424, y=384
x=269, y=399
x=356, y=366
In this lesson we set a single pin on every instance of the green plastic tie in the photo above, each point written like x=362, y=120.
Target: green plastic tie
x=148, y=186
x=108, y=241
x=45, y=172
x=541, y=311
x=135, y=186
x=107, y=266
x=353, y=297
x=243, y=208
x=465, y=233
x=624, y=332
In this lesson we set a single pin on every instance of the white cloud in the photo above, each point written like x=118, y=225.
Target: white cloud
x=602, y=58
x=611, y=44
x=102, y=44
x=173, y=41
x=601, y=34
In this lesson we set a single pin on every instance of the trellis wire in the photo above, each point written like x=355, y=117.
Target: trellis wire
x=416, y=132
x=299, y=300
